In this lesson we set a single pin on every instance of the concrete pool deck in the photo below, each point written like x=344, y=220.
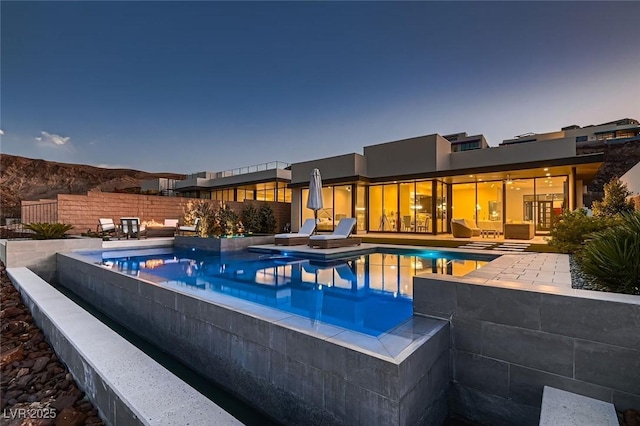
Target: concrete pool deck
x=548, y=269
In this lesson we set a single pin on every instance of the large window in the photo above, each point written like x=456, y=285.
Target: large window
x=423, y=206
x=336, y=205
x=442, y=217
x=489, y=205
x=536, y=200
x=361, y=207
x=464, y=205
x=408, y=207
x=377, y=221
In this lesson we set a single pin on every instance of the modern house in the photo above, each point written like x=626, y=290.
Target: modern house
x=262, y=182
x=611, y=132
x=418, y=185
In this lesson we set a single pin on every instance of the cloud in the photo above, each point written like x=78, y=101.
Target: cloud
x=49, y=138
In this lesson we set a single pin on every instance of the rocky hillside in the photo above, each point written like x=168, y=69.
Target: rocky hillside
x=28, y=179
x=618, y=159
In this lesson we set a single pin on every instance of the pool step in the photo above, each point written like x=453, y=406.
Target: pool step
x=478, y=245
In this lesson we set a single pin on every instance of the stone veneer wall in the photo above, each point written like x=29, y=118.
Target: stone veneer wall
x=83, y=211
x=507, y=344
x=296, y=377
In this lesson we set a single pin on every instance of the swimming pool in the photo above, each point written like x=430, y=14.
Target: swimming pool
x=370, y=293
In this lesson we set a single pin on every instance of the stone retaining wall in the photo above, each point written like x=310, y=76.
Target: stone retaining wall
x=83, y=211
x=265, y=356
x=507, y=344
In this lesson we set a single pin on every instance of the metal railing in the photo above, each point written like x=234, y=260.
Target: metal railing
x=40, y=212
x=241, y=170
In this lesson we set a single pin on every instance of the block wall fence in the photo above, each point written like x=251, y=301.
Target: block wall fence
x=83, y=211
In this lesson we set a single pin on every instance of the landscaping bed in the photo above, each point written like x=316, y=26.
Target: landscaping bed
x=34, y=383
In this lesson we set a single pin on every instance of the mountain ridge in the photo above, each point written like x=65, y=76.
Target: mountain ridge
x=23, y=178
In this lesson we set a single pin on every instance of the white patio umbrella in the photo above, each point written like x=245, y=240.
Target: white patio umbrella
x=314, y=202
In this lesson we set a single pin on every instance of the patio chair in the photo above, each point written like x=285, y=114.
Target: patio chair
x=463, y=228
x=130, y=227
x=195, y=228
x=339, y=238
x=106, y=226
x=295, y=238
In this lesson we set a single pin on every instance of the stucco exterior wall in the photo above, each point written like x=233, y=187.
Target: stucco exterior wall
x=632, y=179
x=330, y=168
x=415, y=155
x=510, y=154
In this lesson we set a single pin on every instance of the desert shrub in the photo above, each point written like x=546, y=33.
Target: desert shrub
x=615, y=200
x=251, y=218
x=207, y=213
x=612, y=256
x=267, y=219
x=48, y=231
x=227, y=221
x=571, y=229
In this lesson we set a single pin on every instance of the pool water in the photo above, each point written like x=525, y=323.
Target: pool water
x=370, y=293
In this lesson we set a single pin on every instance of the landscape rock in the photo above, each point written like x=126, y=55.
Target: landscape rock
x=70, y=417
x=32, y=377
x=12, y=355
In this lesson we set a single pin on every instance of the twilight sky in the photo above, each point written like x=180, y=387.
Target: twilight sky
x=191, y=86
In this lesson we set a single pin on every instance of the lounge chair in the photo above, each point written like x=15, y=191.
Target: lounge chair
x=195, y=228
x=106, y=227
x=339, y=238
x=130, y=227
x=295, y=238
x=463, y=228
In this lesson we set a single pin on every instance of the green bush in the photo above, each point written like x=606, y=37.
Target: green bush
x=227, y=220
x=612, y=256
x=571, y=229
x=207, y=213
x=48, y=231
x=267, y=219
x=251, y=218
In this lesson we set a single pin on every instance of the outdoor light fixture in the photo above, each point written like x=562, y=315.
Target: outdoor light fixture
x=509, y=181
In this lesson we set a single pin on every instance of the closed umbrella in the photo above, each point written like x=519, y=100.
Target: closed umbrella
x=314, y=202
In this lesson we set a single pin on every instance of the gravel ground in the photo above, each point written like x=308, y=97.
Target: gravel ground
x=578, y=278
x=36, y=389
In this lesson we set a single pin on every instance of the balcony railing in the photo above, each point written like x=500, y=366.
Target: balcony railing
x=241, y=170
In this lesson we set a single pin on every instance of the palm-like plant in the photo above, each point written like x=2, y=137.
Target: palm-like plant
x=48, y=231
x=612, y=256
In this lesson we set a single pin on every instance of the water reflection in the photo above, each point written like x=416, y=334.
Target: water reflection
x=370, y=293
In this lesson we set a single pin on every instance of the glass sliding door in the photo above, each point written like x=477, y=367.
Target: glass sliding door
x=342, y=203
x=376, y=218
x=489, y=205
x=361, y=208
x=442, y=217
x=464, y=203
x=552, y=198
x=520, y=201
x=325, y=214
x=390, y=206
x=407, y=210
x=424, y=206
